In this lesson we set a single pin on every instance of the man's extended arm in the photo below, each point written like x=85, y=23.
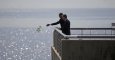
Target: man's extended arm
x=53, y=23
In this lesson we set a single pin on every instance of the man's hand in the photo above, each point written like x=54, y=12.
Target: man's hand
x=48, y=24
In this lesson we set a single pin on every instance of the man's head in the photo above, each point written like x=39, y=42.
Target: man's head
x=64, y=17
x=60, y=15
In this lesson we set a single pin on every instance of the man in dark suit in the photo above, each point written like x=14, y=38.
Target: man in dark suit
x=64, y=23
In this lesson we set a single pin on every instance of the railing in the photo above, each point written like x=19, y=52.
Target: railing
x=93, y=31
x=84, y=33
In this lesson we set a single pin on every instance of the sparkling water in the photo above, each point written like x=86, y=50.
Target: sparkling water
x=25, y=44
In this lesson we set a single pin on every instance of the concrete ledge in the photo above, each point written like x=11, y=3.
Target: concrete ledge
x=55, y=54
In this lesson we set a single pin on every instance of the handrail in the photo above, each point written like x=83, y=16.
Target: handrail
x=88, y=35
x=92, y=28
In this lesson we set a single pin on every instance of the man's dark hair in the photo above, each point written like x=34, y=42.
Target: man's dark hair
x=60, y=14
x=65, y=15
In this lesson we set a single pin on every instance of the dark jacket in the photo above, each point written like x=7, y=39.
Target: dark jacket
x=65, y=26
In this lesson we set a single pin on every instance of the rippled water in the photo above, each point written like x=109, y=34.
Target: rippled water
x=25, y=44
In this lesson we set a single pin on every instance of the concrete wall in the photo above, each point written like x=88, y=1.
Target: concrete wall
x=88, y=49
